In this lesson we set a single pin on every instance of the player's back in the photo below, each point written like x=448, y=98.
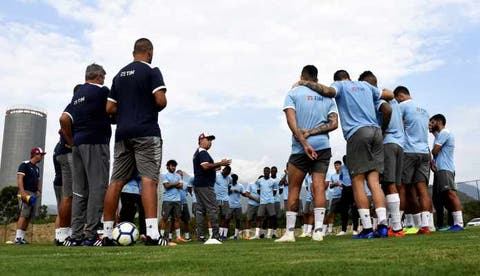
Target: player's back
x=445, y=158
x=415, y=120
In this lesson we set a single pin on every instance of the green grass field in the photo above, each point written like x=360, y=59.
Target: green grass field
x=437, y=254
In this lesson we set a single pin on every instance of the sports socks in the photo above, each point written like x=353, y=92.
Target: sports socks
x=365, y=218
x=381, y=215
x=393, y=208
x=417, y=220
x=319, y=215
x=177, y=233
x=236, y=232
x=309, y=229
x=291, y=218
x=257, y=232
x=210, y=232
x=425, y=219
x=330, y=228
x=108, y=229
x=152, y=228
x=20, y=234
x=457, y=218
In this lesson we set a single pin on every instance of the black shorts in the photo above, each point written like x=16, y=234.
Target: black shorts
x=393, y=169
x=444, y=181
x=319, y=165
x=365, y=151
x=416, y=168
x=171, y=208
x=185, y=216
x=335, y=206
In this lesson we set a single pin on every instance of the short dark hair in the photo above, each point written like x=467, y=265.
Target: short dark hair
x=93, y=71
x=310, y=71
x=227, y=167
x=401, y=90
x=142, y=46
x=341, y=75
x=439, y=117
x=234, y=177
x=172, y=162
x=338, y=162
x=273, y=167
x=365, y=75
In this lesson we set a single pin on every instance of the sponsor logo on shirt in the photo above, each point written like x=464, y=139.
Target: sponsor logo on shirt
x=127, y=73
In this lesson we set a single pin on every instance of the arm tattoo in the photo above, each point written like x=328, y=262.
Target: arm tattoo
x=332, y=124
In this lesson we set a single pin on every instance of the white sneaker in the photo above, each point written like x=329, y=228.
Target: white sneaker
x=212, y=241
x=354, y=233
x=287, y=237
x=341, y=233
x=303, y=235
x=317, y=236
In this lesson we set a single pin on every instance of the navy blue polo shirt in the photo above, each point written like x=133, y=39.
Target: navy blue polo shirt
x=133, y=91
x=61, y=147
x=31, y=175
x=57, y=181
x=90, y=120
x=203, y=178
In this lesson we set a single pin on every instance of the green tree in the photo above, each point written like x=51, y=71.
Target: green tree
x=8, y=206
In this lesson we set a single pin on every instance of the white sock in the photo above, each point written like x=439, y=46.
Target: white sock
x=108, y=229
x=409, y=220
x=69, y=232
x=457, y=218
x=324, y=229
x=20, y=234
x=330, y=227
x=187, y=235
x=365, y=217
x=425, y=218
x=170, y=235
x=57, y=234
x=291, y=218
x=225, y=232
x=257, y=232
x=304, y=228
x=274, y=232
x=393, y=208
x=152, y=228
x=269, y=232
x=417, y=220
x=63, y=233
x=210, y=231
x=177, y=233
x=319, y=215
x=236, y=232
x=247, y=233
x=162, y=232
x=431, y=223
x=381, y=215
x=309, y=228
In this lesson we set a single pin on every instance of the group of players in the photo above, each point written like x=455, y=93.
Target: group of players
x=387, y=143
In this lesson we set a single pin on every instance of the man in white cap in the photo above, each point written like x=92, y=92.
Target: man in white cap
x=204, y=169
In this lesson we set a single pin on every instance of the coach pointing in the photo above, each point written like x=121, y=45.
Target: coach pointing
x=204, y=169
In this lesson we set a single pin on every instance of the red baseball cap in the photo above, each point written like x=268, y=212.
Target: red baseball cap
x=37, y=150
x=206, y=135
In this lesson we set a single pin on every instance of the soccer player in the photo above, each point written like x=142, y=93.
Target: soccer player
x=356, y=102
x=416, y=162
x=235, y=190
x=90, y=125
x=204, y=171
x=222, y=182
x=393, y=140
x=131, y=200
x=29, y=187
x=335, y=203
x=137, y=95
x=268, y=189
x=310, y=118
x=347, y=201
x=172, y=206
x=308, y=211
x=444, y=169
x=185, y=214
x=253, y=194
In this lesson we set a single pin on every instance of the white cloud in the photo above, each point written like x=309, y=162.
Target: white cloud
x=221, y=56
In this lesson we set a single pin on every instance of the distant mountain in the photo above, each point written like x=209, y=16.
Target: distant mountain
x=470, y=189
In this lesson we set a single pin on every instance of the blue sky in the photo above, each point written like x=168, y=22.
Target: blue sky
x=229, y=64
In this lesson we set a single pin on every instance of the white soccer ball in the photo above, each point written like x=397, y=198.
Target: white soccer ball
x=125, y=233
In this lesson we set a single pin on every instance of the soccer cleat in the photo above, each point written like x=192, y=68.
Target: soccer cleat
x=70, y=242
x=424, y=231
x=365, y=234
x=303, y=235
x=287, y=237
x=396, y=234
x=92, y=242
x=202, y=239
x=20, y=241
x=108, y=242
x=354, y=232
x=262, y=236
x=341, y=233
x=456, y=227
x=445, y=228
x=411, y=230
x=57, y=242
x=317, y=235
x=180, y=240
x=381, y=232
x=254, y=238
x=213, y=241
x=188, y=239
